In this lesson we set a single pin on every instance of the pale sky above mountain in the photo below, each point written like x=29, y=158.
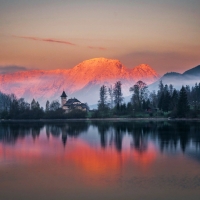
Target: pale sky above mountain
x=49, y=34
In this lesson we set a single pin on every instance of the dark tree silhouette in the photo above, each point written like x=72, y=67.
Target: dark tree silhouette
x=183, y=105
x=117, y=92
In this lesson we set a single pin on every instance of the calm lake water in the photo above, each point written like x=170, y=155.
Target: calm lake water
x=100, y=160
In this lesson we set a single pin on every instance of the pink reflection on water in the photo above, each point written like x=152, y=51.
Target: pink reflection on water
x=77, y=152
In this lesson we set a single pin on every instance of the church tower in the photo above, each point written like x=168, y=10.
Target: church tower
x=63, y=98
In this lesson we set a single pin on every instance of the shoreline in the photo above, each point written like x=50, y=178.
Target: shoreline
x=99, y=119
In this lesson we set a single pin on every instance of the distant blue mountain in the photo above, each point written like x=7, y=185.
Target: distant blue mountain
x=193, y=72
x=189, y=77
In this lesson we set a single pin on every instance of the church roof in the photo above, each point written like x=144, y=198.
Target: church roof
x=63, y=94
x=74, y=103
x=71, y=101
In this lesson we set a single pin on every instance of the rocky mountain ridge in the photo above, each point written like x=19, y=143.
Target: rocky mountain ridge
x=82, y=81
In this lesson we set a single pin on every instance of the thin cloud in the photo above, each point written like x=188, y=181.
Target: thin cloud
x=11, y=69
x=57, y=41
x=46, y=40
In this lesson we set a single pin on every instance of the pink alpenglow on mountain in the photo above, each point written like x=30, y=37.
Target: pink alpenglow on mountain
x=82, y=81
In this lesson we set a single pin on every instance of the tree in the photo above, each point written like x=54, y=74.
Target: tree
x=47, y=106
x=4, y=102
x=37, y=105
x=174, y=100
x=33, y=104
x=117, y=92
x=160, y=94
x=183, y=105
x=14, y=106
x=140, y=93
x=55, y=105
x=153, y=99
x=161, y=87
x=23, y=106
x=111, y=95
x=166, y=101
x=102, y=104
x=171, y=89
x=160, y=101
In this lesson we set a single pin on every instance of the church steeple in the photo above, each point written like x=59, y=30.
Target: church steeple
x=63, y=98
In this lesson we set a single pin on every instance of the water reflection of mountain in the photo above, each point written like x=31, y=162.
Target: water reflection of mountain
x=169, y=135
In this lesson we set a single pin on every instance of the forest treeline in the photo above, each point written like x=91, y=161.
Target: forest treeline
x=166, y=102
x=169, y=134
x=13, y=108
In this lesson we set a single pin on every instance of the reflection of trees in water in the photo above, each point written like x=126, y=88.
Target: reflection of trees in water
x=103, y=129
x=169, y=134
x=115, y=130
x=119, y=131
x=35, y=131
x=172, y=134
x=71, y=129
x=139, y=133
x=10, y=132
x=195, y=134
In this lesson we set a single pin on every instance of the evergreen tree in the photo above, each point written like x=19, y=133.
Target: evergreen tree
x=117, y=92
x=153, y=99
x=37, y=105
x=160, y=102
x=148, y=103
x=160, y=94
x=174, y=101
x=123, y=108
x=129, y=107
x=161, y=89
x=166, y=101
x=47, y=106
x=111, y=95
x=14, y=107
x=102, y=104
x=183, y=105
x=171, y=89
x=144, y=105
x=166, y=88
x=188, y=91
x=33, y=104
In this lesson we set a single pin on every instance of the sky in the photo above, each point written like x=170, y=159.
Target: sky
x=51, y=34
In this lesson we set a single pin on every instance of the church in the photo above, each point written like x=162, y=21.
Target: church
x=71, y=104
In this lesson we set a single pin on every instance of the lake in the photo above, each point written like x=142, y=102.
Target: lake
x=100, y=160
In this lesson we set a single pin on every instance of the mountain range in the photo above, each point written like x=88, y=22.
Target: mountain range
x=189, y=77
x=85, y=79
